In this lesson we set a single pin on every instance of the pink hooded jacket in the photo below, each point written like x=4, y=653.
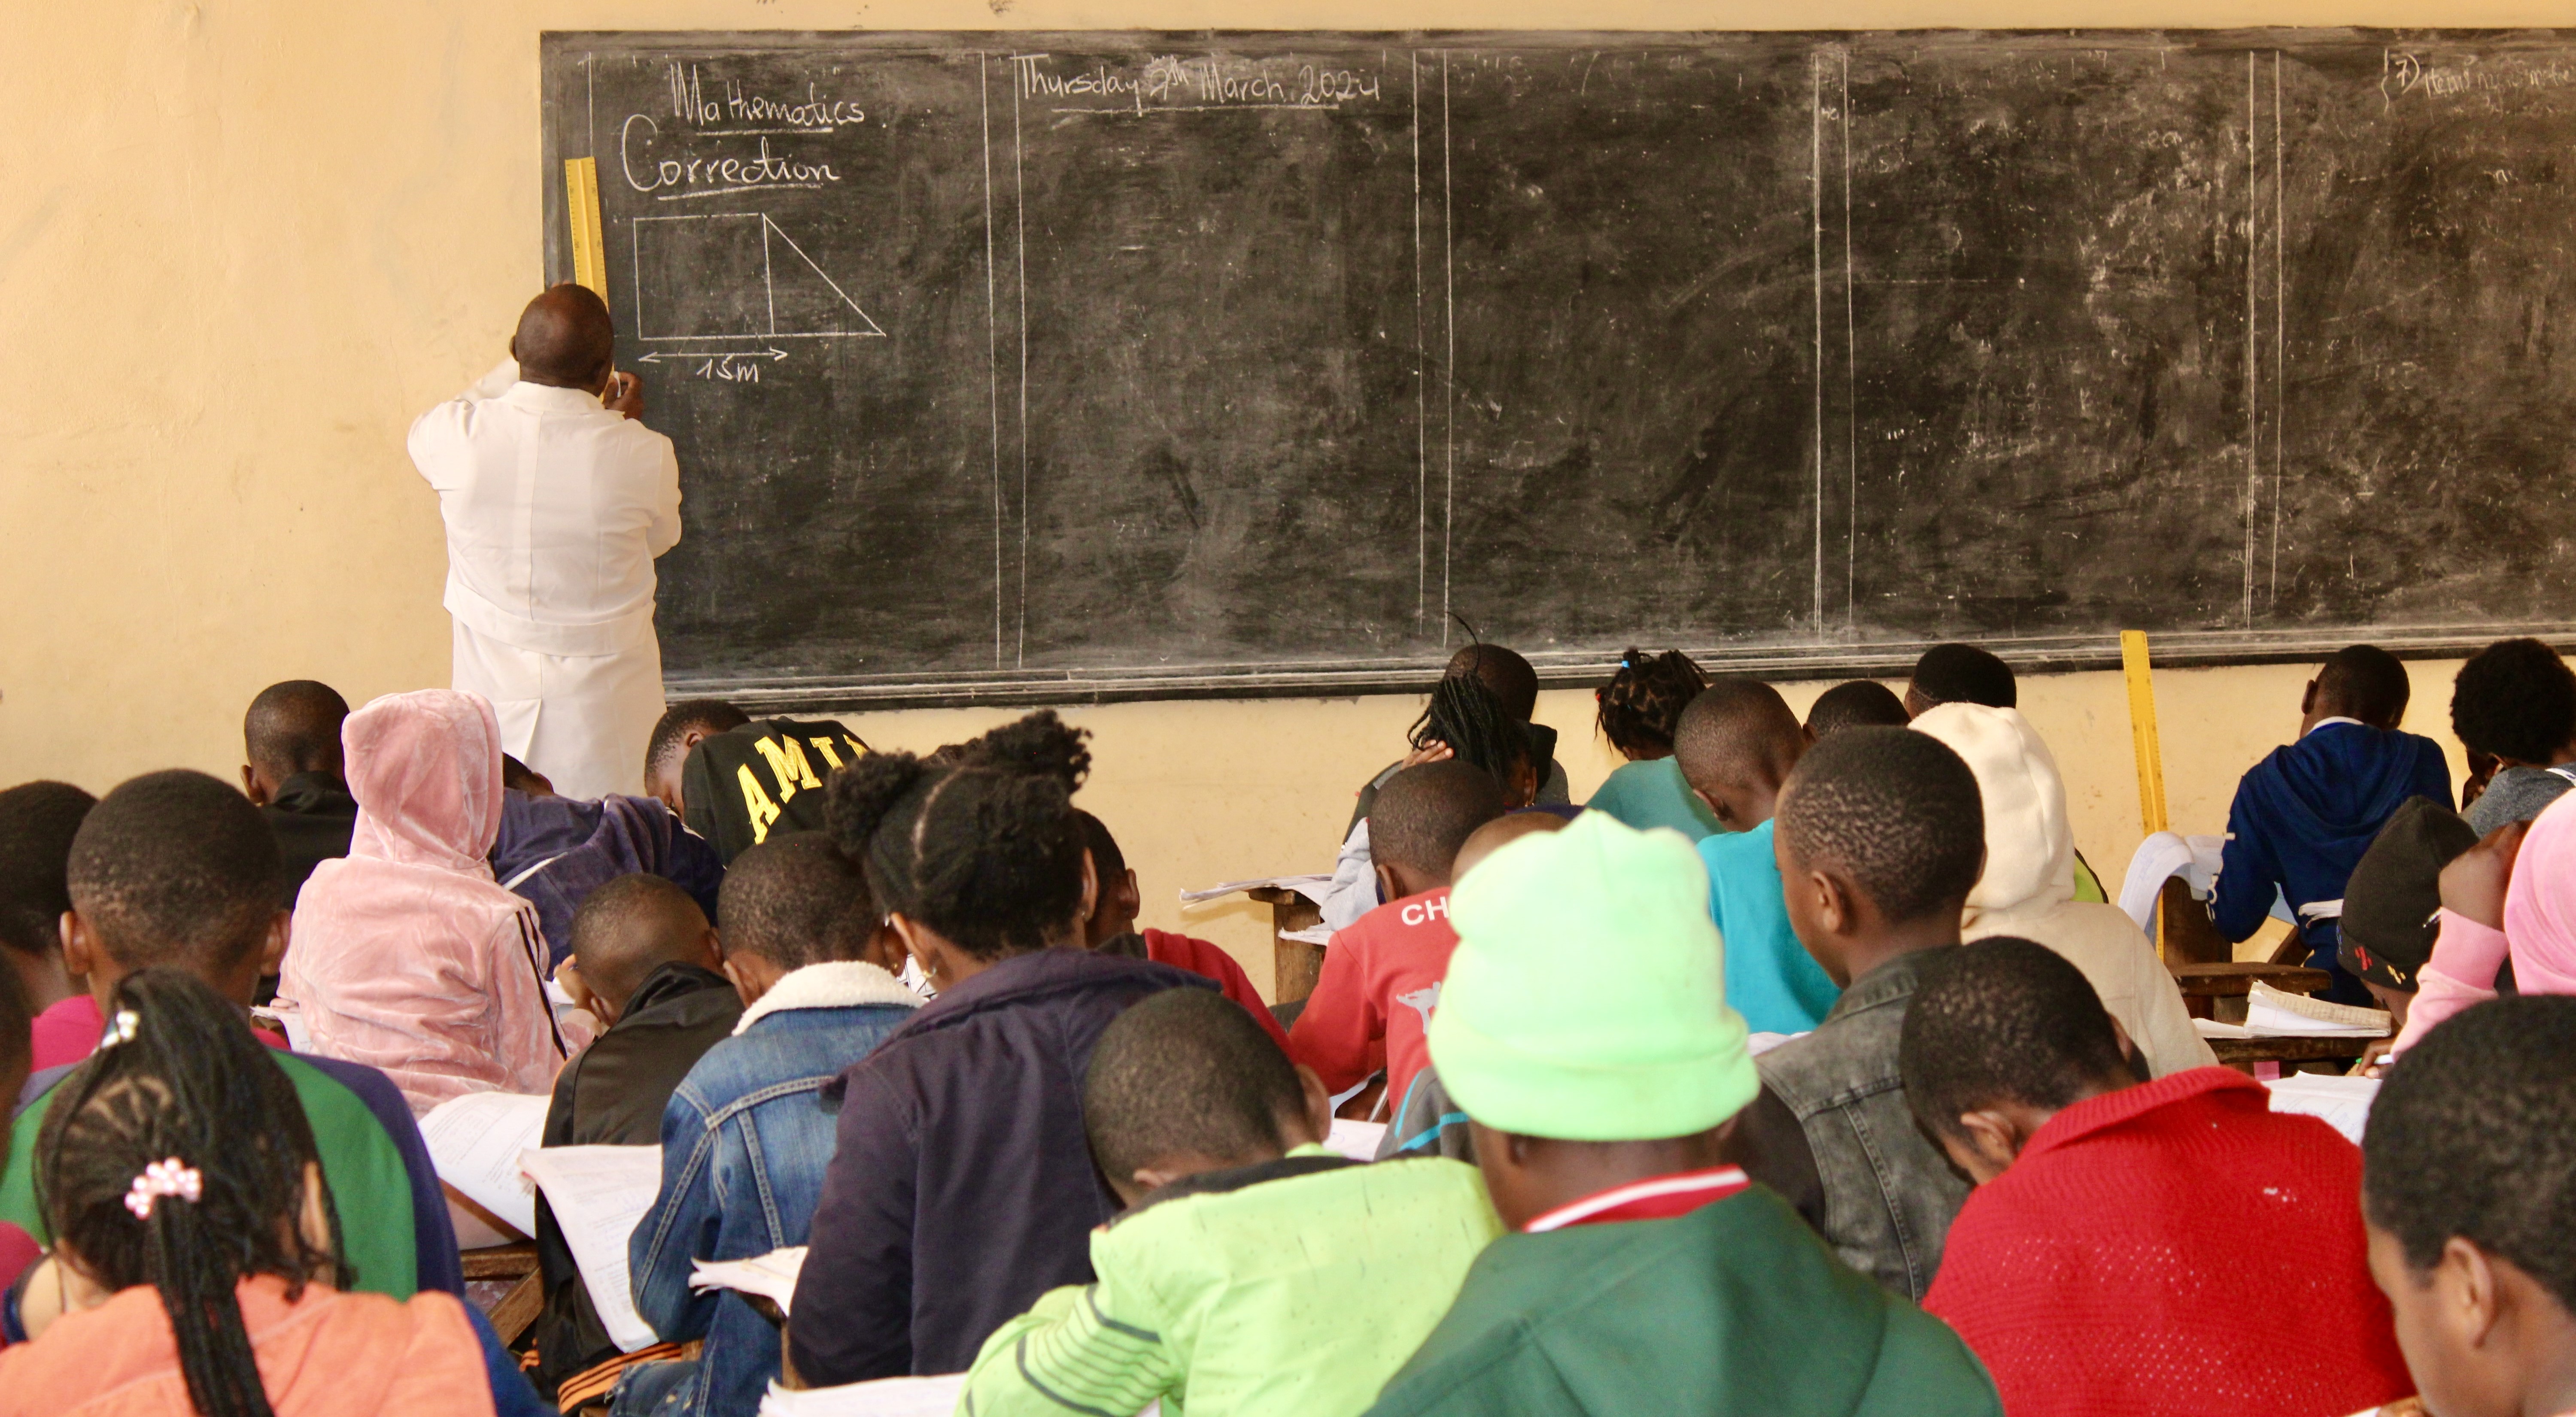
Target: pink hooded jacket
x=406, y=955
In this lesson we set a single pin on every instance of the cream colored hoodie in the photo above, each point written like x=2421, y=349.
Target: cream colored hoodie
x=2028, y=888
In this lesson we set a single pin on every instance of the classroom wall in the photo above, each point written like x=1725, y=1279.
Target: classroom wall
x=244, y=242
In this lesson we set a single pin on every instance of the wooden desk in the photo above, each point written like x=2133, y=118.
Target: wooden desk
x=516, y=1312
x=1294, y=963
x=2243, y=1053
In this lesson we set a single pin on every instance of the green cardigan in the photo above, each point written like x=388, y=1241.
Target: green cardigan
x=1289, y=1289
x=1734, y=1307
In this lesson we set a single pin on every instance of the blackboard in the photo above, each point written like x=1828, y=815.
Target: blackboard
x=1049, y=366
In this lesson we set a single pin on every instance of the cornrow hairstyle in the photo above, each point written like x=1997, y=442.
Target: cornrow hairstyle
x=2002, y=1020
x=38, y=821
x=189, y=1085
x=1896, y=809
x=1186, y=1072
x=981, y=843
x=1509, y=676
x=2515, y=699
x=1464, y=714
x=1643, y=702
x=2474, y=1136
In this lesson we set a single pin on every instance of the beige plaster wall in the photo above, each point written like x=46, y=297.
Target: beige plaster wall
x=243, y=242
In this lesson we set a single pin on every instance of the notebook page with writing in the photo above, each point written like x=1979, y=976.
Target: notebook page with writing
x=475, y=1141
x=598, y=1194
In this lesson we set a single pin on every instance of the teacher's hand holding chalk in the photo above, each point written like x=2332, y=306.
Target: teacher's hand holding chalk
x=624, y=394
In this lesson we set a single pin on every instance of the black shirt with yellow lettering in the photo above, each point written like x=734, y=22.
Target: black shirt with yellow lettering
x=764, y=779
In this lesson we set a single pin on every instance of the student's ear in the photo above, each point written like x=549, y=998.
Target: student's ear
x=272, y=950
x=2468, y=1296
x=1090, y=893
x=1319, y=1106
x=1129, y=897
x=711, y=950
x=1985, y=1144
x=568, y=974
x=2308, y=699
x=80, y=945
x=1388, y=888
x=251, y=789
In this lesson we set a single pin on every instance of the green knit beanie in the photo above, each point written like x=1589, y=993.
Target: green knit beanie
x=1587, y=997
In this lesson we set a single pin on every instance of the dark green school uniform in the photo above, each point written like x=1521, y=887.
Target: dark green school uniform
x=1733, y=1307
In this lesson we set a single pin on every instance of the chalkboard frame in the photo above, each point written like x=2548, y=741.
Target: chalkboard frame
x=1325, y=677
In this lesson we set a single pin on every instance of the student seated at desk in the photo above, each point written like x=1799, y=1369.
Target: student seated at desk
x=2515, y=701
x=1514, y=685
x=1381, y=976
x=2510, y=898
x=2027, y=888
x=554, y=851
x=1959, y=674
x=37, y=823
x=2131, y=1247
x=682, y=727
x=739, y=787
x=1253, y=1271
x=744, y=1142
x=1862, y=703
x=176, y=870
x=1112, y=929
x=1643, y=1274
x=291, y=737
x=2304, y=815
x=2469, y=1186
x=203, y=1245
x=1640, y=709
x=1880, y=834
x=644, y=964
x=960, y=1187
x=408, y=955
x=1463, y=721
x=1738, y=743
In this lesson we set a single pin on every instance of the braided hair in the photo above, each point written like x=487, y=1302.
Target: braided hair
x=187, y=1084
x=1466, y=715
x=1643, y=702
x=979, y=841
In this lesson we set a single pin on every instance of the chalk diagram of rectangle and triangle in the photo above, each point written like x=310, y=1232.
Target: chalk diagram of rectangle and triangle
x=745, y=277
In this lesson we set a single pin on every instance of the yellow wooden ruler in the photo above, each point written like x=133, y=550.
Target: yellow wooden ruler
x=581, y=209
x=2142, y=729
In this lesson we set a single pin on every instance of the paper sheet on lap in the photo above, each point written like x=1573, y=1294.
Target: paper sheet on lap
x=771, y=1276
x=598, y=1194
x=886, y=1397
x=475, y=1142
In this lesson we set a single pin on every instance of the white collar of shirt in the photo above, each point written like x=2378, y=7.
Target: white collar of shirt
x=2331, y=722
x=547, y=396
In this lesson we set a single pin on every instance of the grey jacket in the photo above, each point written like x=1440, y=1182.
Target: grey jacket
x=1831, y=1132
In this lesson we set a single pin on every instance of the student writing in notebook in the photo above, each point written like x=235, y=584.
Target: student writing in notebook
x=1737, y=745
x=1880, y=834
x=960, y=1187
x=744, y=1140
x=202, y=1247
x=1642, y=1272
x=176, y=870
x=1253, y=1272
x=2128, y=1243
x=644, y=963
x=1381, y=978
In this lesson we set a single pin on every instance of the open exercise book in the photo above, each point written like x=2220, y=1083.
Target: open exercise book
x=598, y=1193
x=886, y=1397
x=475, y=1142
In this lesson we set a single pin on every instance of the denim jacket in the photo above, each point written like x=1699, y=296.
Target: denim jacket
x=1887, y=1194
x=744, y=1146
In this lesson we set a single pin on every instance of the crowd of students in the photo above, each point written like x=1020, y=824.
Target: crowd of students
x=1802, y=1070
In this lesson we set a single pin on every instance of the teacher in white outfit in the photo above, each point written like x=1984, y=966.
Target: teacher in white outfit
x=556, y=505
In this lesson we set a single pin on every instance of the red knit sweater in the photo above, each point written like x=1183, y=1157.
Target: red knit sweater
x=2171, y=1250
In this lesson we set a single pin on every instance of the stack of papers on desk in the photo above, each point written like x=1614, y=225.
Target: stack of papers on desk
x=2273, y=1013
x=598, y=1193
x=771, y=1276
x=2343, y=1102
